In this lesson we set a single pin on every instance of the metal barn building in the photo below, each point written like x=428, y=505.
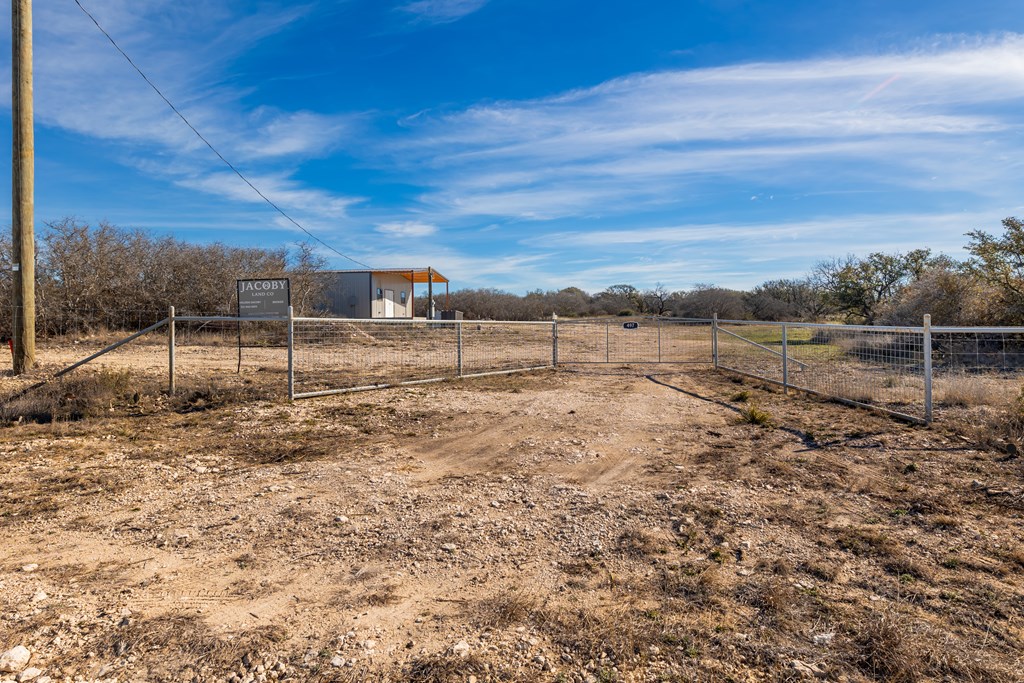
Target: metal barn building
x=380, y=293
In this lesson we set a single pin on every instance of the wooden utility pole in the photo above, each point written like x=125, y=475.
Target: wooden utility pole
x=23, y=190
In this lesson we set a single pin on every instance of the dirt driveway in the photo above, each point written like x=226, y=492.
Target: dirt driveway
x=589, y=524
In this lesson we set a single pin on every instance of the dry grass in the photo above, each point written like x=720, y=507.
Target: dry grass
x=45, y=495
x=450, y=668
x=886, y=649
x=698, y=584
x=1001, y=429
x=968, y=391
x=614, y=637
x=510, y=606
x=641, y=543
x=865, y=541
x=178, y=647
x=891, y=646
x=72, y=398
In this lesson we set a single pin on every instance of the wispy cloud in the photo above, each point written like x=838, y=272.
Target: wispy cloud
x=442, y=11
x=280, y=189
x=647, y=137
x=407, y=229
x=84, y=86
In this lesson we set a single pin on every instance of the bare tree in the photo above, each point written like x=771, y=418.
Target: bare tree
x=657, y=299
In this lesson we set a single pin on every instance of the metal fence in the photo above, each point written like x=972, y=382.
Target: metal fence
x=332, y=355
x=634, y=340
x=976, y=366
x=879, y=367
x=912, y=372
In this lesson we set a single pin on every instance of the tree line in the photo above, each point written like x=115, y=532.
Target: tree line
x=106, y=275
x=985, y=288
x=90, y=276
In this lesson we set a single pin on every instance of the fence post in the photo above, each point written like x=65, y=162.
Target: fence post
x=714, y=339
x=459, y=352
x=927, y=349
x=607, y=342
x=554, y=340
x=785, y=360
x=291, y=354
x=170, y=351
x=659, y=338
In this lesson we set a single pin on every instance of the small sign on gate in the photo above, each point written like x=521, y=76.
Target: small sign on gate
x=264, y=298
x=632, y=325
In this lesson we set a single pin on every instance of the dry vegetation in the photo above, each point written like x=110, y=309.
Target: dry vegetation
x=592, y=525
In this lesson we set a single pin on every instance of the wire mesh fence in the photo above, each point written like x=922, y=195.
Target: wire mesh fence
x=911, y=372
x=206, y=347
x=880, y=367
x=976, y=366
x=634, y=340
x=332, y=355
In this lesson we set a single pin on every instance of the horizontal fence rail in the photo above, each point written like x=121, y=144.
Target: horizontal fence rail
x=333, y=355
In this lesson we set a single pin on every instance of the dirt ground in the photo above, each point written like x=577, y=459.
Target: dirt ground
x=619, y=523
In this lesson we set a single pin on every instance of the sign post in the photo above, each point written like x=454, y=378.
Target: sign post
x=262, y=299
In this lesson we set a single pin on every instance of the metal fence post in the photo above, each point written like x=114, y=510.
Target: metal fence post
x=659, y=338
x=459, y=352
x=291, y=354
x=927, y=349
x=554, y=340
x=714, y=339
x=607, y=342
x=785, y=360
x=170, y=351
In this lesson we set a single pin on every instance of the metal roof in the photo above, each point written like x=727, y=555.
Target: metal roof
x=415, y=275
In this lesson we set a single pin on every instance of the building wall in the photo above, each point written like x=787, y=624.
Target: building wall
x=354, y=295
x=348, y=294
x=396, y=283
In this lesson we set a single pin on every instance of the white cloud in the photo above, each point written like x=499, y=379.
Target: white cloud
x=938, y=119
x=280, y=189
x=84, y=86
x=443, y=11
x=407, y=229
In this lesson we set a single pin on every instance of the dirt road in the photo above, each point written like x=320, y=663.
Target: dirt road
x=589, y=524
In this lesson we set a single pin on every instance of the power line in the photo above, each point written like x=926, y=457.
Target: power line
x=207, y=142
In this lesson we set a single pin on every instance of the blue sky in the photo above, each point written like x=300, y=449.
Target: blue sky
x=526, y=144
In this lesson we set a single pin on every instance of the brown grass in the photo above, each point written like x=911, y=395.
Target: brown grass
x=886, y=649
x=968, y=391
x=72, y=398
x=179, y=647
x=509, y=606
x=699, y=584
x=1002, y=429
x=641, y=543
x=623, y=634
x=890, y=646
x=865, y=541
x=450, y=668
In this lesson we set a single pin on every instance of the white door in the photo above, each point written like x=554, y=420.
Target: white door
x=389, y=303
